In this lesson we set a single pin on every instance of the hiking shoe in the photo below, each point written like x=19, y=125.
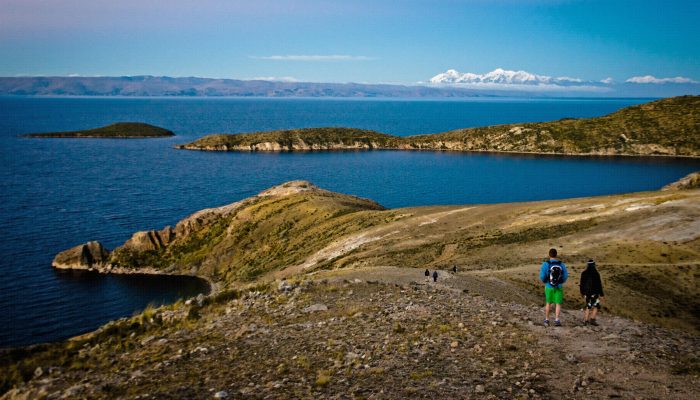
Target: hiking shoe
x=585, y=322
x=594, y=322
x=546, y=322
x=557, y=322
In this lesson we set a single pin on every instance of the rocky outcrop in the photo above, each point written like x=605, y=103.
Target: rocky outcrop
x=150, y=240
x=296, y=146
x=688, y=182
x=88, y=256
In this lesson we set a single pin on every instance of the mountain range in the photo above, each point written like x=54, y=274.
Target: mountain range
x=449, y=84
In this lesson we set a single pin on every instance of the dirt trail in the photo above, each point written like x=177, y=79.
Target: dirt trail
x=620, y=358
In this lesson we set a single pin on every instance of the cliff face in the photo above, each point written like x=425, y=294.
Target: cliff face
x=668, y=127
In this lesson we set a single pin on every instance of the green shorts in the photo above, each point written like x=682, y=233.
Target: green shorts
x=553, y=295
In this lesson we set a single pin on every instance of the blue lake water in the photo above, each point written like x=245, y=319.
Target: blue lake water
x=57, y=193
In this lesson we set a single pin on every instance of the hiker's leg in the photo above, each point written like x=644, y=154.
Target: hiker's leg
x=557, y=311
x=546, y=311
x=585, y=313
x=594, y=311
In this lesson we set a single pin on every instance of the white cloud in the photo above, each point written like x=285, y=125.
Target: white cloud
x=607, y=80
x=653, y=79
x=275, y=78
x=315, y=57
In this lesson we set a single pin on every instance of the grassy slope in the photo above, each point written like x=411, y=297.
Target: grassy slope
x=267, y=234
x=117, y=130
x=669, y=126
x=672, y=123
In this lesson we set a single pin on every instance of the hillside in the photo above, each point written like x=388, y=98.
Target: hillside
x=669, y=127
x=240, y=241
x=297, y=139
x=118, y=130
x=319, y=294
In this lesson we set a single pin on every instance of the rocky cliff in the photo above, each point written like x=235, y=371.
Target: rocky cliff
x=668, y=127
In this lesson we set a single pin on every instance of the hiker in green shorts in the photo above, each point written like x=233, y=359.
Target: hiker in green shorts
x=553, y=274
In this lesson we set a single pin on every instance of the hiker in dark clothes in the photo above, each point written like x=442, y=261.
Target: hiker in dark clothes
x=592, y=293
x=454, y=269
x=434, y=276
x=427, y=275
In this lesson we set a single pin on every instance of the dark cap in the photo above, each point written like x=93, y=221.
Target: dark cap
x=591, y=263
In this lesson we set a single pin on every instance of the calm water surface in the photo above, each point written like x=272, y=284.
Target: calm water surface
x=56, y=193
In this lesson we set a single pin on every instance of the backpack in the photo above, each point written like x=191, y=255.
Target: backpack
x=555, y=274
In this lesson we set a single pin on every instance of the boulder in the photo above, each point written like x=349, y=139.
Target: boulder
x=85, y=256
x=150, y=240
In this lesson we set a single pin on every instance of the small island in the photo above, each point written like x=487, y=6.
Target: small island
x=666, y=127
x=119, y=130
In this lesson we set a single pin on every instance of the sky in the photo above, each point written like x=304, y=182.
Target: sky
x=363, y=41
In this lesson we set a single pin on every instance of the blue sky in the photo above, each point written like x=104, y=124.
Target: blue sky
x=350, y=41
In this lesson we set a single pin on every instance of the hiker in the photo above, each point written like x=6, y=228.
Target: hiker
x=592, y=293
x=427, y=275
x=454, y=269
x=553, y=274
x=434, y=276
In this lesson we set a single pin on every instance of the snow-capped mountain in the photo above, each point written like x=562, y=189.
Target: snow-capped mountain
x=503, y=77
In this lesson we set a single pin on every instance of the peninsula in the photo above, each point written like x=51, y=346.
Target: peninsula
x=320, y=294
x=119, y=130
x=667, y=127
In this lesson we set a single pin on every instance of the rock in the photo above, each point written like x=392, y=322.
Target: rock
x=316, y=307
x=285, y=286
x=38, y=372
x=611, y=336
x=150, y=240
x=571, y=358
x=85, y=256
x=454, y=344
x=222, y=394
x=200, y=299
x=479, y=389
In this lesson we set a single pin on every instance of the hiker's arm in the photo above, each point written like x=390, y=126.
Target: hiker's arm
x=543, y=272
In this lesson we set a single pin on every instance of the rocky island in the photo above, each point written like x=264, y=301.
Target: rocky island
x=667, y=127
x=119, y=130
x=322, y=295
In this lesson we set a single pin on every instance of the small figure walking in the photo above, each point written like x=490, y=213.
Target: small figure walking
x=435, y=276
x=427, y=275
x=454, y=268
x=592, y=293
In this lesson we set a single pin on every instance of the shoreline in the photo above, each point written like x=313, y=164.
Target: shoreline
x=493, y=152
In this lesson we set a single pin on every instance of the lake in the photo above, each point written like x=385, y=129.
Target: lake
x=57, y=193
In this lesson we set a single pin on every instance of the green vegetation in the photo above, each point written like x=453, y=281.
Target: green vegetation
x=297, y=139
x=663, y=127
x=118, y=130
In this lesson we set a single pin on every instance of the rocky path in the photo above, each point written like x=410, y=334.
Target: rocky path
x=346, y=337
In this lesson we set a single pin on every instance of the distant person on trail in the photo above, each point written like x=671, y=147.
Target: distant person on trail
x=454, y=269
x=592, y=293
x=553, y=274
x=427, y=275
x=434, y=276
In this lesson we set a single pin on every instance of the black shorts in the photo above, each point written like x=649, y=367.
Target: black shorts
x=592, y=300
